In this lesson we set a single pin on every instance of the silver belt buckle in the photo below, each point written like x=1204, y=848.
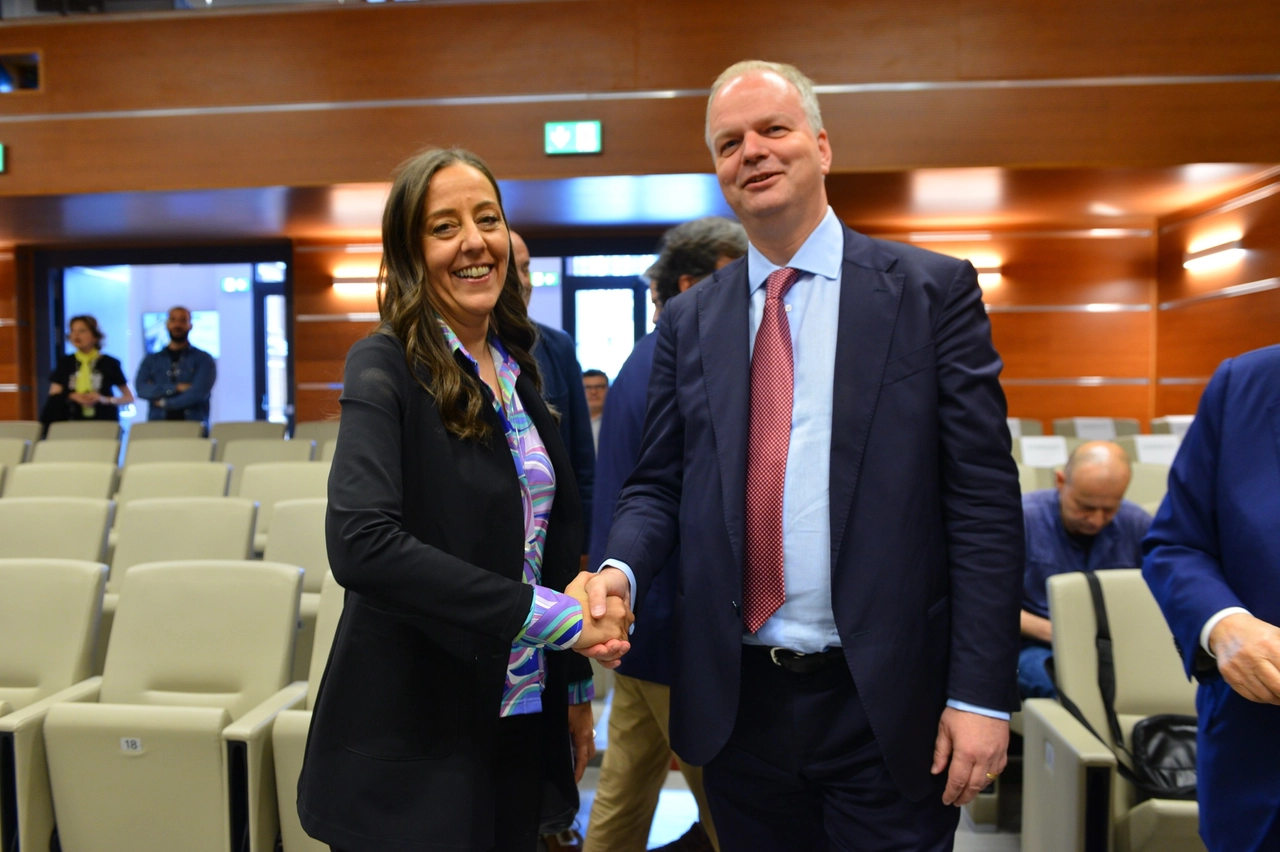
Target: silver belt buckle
x=773, y=654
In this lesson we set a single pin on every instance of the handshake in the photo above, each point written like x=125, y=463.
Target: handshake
x=606, y=615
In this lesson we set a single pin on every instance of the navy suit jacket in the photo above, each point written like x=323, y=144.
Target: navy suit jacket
x=620, y=434
x=926, y=515
x=1215, y=543
x=562, y=387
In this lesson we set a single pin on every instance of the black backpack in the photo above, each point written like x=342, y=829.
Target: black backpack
x=1161, y=760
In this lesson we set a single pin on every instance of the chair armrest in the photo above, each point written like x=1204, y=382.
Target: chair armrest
x=4, y=708
x=1068, y=776
x=26, y=790
x=251, y=772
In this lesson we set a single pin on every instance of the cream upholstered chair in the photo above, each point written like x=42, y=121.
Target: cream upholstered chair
x=14, y=451
x=1095, y=428
x=168, y=479
x=154, y=450
x=54, y=527
x=316, y=430
x=245, y=430
x=1035, y=478
x=148, y=430
x=1019, y=426
x=269, y=483
x=23, y=430
x=297, y=538
x=289, y=734
x=327, y=449
x=48, y=620
x=263, y=451
x=79, y=430
x=1073, y=798
x=77, y=450
x=173, y=750
x=62, y=479
x=1149, y=483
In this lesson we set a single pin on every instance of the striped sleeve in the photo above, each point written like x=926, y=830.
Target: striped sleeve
x=554, y=621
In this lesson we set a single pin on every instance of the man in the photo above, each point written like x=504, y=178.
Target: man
x=596, y=385
x=177, y=380
x=639, y=754
x=1213, y=564
x=1083, y=525
x=826, y=437
x=562, y=387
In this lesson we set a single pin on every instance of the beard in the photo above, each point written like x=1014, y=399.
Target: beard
x=178, y=337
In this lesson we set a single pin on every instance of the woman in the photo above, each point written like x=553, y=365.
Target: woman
x=445, y=712
x=81, y=385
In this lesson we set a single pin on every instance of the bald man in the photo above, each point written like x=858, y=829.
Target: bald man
x=1085, y=524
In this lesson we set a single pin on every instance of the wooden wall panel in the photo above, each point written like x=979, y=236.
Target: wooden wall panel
x=1068, y=345
x=1194, y=340
x=316, y=405
x=1046, y=402
x=1177, y=399
x=15, y=341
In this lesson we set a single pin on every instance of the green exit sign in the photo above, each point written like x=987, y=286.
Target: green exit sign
x=2, y=159
x=572, y=137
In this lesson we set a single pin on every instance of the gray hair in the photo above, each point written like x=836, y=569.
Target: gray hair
x=693, y=249
x=793, y=75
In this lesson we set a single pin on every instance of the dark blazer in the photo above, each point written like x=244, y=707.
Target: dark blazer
x=562, y=387
x=60, y=407
x=926, y=517
x=426, y=533
x=1215, y=544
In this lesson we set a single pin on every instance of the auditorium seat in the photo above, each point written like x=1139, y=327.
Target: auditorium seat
x=1095, y=428
x=244, y=430
x=77, y=450
x=263, y=451
x=23, y=430
x=297, y=538
x=1149, y=483
x=1173, y=424
x=289, y=734
x=269, y=483
x=62, y=479
x=327, y=450
x=168, y=479
x=161, y=756
x=14, y=451
x=80, y=430
x=316, y=430
x=1019, y=426
x=169, y=450
x=1158, y=449
x=48, y=618
x=1073, y=799
x=150, y=430
x=1035, y=478
x=1041, y=451
x=54, y=528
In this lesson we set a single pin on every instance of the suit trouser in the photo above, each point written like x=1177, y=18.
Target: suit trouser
x=635, y=766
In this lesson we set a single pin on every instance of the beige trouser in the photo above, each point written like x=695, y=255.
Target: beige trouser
x=635, y=766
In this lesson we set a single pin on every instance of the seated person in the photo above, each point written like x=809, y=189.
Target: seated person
x=1085, y=524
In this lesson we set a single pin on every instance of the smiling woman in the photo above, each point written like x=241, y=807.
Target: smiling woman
x=446, y=718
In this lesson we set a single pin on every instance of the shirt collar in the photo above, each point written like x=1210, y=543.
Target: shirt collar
x=504, y=360
x=821, y=254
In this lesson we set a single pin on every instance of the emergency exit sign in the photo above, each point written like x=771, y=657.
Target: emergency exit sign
x=2, y=159
x=572, y=137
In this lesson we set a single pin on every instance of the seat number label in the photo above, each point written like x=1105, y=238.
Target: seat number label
x=131, y=745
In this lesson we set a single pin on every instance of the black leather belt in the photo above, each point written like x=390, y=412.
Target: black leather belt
x=794, y=661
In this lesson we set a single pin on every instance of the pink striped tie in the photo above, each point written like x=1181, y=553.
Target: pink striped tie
x=772, y=384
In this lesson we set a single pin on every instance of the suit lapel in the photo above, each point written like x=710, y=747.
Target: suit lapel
x=870, y=296
x=726, y=375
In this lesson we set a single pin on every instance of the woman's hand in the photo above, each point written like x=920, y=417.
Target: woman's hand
x=88, y=398
x=582, y=734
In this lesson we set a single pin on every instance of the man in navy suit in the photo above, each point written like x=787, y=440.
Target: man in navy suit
x=1213, y=564
x=887, y=558
x=639, y=754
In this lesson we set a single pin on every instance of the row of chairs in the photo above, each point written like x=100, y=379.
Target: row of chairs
x=191, y=738
x=228, y=430
x=1104, y=428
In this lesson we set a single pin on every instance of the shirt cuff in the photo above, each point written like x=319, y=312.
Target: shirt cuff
x=631, y=578
x=582, y=691
x=1213, y=622
x=554, y=621
x=981, y=711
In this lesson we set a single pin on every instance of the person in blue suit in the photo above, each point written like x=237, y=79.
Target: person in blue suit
x=639, y=755
x=1212, y=559
x=846, y=643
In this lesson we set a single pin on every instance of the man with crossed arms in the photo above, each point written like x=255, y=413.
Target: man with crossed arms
x=826, y=439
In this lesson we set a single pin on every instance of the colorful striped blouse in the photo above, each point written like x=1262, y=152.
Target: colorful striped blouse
x=554, y=619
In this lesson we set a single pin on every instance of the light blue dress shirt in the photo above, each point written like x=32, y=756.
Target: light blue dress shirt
x=806, y=622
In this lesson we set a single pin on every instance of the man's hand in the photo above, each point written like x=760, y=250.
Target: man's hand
x=1248, y=652
x=182, y=387
x=582, y=734
x=606, y=651
x=1037, y=627
x=613, y=626
x=976, y=746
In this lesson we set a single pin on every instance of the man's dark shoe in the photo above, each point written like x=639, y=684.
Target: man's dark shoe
x=693, y=840
x=565, y=841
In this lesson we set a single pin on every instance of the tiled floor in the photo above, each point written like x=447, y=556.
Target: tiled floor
x=677, y=809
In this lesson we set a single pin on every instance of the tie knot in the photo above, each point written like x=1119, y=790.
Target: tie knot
x=779, y=282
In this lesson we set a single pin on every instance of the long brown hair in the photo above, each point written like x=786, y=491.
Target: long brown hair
x=408, y=306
